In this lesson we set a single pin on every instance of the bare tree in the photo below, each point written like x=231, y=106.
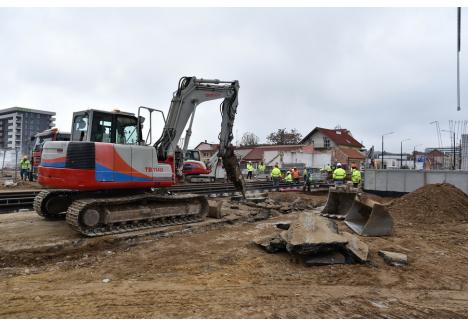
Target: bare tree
x=284, y=137
x=249, y=139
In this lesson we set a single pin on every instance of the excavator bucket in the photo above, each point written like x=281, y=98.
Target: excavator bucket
x=369, y=218
x=233, y=171
x=340, y=199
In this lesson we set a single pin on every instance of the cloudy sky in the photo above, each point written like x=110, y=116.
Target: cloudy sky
x=368, y=70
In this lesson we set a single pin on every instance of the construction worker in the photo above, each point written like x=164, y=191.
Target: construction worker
x=355, y=176
x=275, y=176
x=288, y=178
x=261, y=168
x=296, y=175
x=328, y=171
x=339, y=175
x=250, y=169
x=25, y=166
x=305, y=174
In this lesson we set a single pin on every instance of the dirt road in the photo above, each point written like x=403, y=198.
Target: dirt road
x=219, y=273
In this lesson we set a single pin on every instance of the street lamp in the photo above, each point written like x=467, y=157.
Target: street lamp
x=401, y=151
x=454, y=145
x=414, y=155
x=389, y=133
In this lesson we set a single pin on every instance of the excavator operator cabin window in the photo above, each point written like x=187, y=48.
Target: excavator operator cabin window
x=102, y=128
x=126, y=131
x=80, y=127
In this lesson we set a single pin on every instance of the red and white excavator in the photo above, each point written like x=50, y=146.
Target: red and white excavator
x=110, y=179
x=196, y=171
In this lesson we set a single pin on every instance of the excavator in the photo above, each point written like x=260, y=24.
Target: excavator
x=110, y=179
x=196, y=171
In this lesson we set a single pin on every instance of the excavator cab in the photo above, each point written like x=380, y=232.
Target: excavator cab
x=114, y=127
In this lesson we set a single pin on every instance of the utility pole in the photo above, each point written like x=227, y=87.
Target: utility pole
x=454, y=146
x=414, y=156
x=401, y=152
x=389, y=133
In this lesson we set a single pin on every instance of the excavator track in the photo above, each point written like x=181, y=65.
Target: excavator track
x=102, y=216
x=52, y=204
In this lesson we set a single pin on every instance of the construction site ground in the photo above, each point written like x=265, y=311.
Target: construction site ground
x=214, y=270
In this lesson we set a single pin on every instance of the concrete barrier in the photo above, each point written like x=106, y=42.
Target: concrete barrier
x=403, y=181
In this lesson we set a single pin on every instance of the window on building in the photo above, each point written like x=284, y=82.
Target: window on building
x=326, y=142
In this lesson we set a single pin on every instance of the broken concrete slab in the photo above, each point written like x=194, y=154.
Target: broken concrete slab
x=394, y=258
x=326, y=258
x=298, y=204
x=271, y=243
x=262, y=215
x=274, y=213
x=358, y=250
x=312, y=234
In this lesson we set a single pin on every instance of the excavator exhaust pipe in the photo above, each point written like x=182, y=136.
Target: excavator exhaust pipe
x=369, y=218
x=340, y=199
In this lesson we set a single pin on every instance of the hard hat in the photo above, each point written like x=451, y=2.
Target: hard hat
x=289, y=172
x=338, y=164
x=250, y=161
x=25, y=157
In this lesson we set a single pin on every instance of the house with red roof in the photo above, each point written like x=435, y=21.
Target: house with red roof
x=284, y=155
x=206, y=150
x=338, y=144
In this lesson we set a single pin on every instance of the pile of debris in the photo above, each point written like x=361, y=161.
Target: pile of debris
x=434, y=203
x=283, y=207
x=315, y=240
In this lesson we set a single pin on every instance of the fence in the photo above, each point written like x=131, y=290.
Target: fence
x=9, y=160
x=403, y=181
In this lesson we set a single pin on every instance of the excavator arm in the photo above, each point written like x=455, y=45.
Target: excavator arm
x=190, y=93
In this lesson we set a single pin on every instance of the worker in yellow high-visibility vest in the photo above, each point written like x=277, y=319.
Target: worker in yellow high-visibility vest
x=275, y=176
x=339, y=175
x=250, y=169
x=355, y=176
x=261, y=167
x=25, y=167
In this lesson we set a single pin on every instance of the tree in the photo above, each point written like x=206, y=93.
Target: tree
x=249, y=139
x=284, y=137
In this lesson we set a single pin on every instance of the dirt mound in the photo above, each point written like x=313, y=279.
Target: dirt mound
x=434, y=203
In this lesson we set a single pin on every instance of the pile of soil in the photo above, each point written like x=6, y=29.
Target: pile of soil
x=434, y=203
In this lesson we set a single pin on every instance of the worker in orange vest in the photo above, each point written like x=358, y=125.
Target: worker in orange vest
x=296, y=176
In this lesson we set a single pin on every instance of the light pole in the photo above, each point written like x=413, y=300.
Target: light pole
x=389, y=133
x=454, y=145
x=401, y=152
x=414, y=156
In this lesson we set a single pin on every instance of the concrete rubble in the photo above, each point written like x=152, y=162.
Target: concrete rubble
x=394, y=258
x=267, y=203
x=316, y=241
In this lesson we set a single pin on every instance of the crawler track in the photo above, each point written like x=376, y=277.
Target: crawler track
x=174, y=210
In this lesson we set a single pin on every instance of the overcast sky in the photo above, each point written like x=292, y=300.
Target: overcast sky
x=371, y=71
